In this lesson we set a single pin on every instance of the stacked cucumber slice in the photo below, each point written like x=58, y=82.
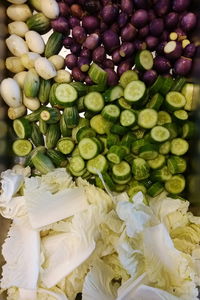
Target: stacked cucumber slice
x=135, y=137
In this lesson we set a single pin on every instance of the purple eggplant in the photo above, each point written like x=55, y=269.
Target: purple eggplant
x=103, y=26
x=122, y=19
x=140, y=18
x=92, y=41
x=171, y=20
x=90, y=23
x=109, y=13
x=151, y=42
x=151, y=15
x=180, y=5
x=189, y=50
x=112, y=78
x=128, y=33
x=69, y=2
x=140, y=45
x=189, y=22
x=99, y=54
x=84, y=63
x=143, y=32
x=67, y=42
x=85, y=52
x=73, y=22
x=161, y=7
x=173, y=50
x=161, y=64
x=127, y=6
x=183, y=66
x=115, y=27
x=124, y=66
x=92, y=6
x=116, y=57
x=149, y=77
x=64, y=9
x=71, y=61
x=79, y=34
x=160, y=48
x=78, y=75
x=88, y=80
x=127, y=49
x=164, y=36
x=60, y=25
x=76, y=11
x=141, y=3
x=75, y=48
x=156, y=26
x=181, y=34
x=108, y=64
x=110, y=40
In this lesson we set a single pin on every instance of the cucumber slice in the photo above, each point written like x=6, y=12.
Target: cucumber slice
x=88, y=148
x=129, y=158
x=173, y=129
x=77, y=174
x=50, y=115
x=22, y=128
x=22, y=147
x=66, y=95
x=155, y=88
x=181, y=115
x=111, y=112
x=42, y=162
x=175, y=185
x=188, y=92
x=179, y=146
x=97, y=164
x=123, y=103
x=148, y=151
x=100, y=125
x=136, y=187
x=139, y=133
x=163, y=118
x=160, y=134
x=157, y=162
x=113, y=93
x=176, y=164
x=116, y=154
x=161, y=174
x=65, y=145
x=175, y=101
x=121, y=171
x=128, y=139
x=155, y=189
x=80, y=87
x=147, y=118
x=85, y=131
x=121, y=181
x=58, y=159
x=155, y=102
x=165, y=148
x=43, y=126
x=127, y=118
x=134, y=91
x=97, y=74
x=77, y=164
x=94, y=101
x=127, y=77
x=167, y=85
x=178, y=84
x=144, y=60
x=136, y=145
x=112, y=139
x=118, y=129
x=140, y=169
x=189, y=130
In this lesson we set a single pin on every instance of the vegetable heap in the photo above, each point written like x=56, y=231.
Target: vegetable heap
x=78, y=239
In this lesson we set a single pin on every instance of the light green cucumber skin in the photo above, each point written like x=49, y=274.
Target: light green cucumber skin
x=54, y=44
x=31, y=84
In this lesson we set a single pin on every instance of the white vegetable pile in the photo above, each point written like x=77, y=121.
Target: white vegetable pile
x=68, y=237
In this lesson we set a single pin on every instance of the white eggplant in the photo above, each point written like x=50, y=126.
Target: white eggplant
x=36, y=4
x=58, y=61
x=31, y=103
x=19, y=12
x=50, y=8
x=16, y=112
x=10, y=92
x=63, y=76
x=17, y=1
x=45, y=68
x=16, y=45
x=18, y=27
x=14, y=64
x=28, y=59
x=20, y=77
x=35, y=42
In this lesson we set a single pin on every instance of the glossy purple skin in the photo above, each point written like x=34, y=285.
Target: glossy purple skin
x=71, y=61
x=189, y=21
x=75, y=48
x=143, y=32
x=83, y=63
x=116, y=57
x=122, y=19
x=183, y=66
x=181, y=34
x=108, y=64
x=110, y=40
x=180, y=5
x=127, y=49
x=156, y=26
x=112, y=78
x=149, y=77
x=162, y=7
x=140, y=18
x=73, y=22
x=140, y=45
x=79, y=34
x=90, y=23
x=60, y=25
x=86, y=53
x=160, y=48
x=152, y=42
x=88, y=80
x=78, y=75
x=127, y=6
x=67, y=42
x=99, y=54
x=92, y=6
x=189, y=50
x=109, y=13
x=92, y=41
x=171, y=20
x=151, y=15
x=64, y=9
x=103, y=26
x=115, y=27
x=128, y=33
x=141, y=3
x=176, y=53
x=164, y=36
x=161, y=64
x=123, y=67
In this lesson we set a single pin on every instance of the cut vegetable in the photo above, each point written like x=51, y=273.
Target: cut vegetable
x=127, y=77
x=65, y=94
x=175, y=185
x=22, y=147
x=175, y=101
x=77, y=164
x=157, y=162
x=148, y=151
x=111, y=112
x=22, y=128
x=147, y=118
x=121, y=171
x=88, y=148
x=113, y=93
x=100, y=125
x=127, y=118
x=160, y=134
x=163, y=118
x=65, y=145
x=162, y=174
x=134, y=91
x=97, y=165
x=140, y=169
x=115, y=154
x=94, y=101
x=97, y=74
x=156, y=189
x=176, y=164
x=155, y=102
x=179, y=146
x=144, y=60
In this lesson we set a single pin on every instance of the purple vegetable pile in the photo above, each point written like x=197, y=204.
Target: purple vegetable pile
x=110, y=33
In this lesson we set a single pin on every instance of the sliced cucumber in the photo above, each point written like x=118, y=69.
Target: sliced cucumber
x=112, y=139
x=97, y=74
x=175, y=185
x=156, y=189
x=140, y=169
x=162, y=174
x=77, y=164
x=113, y=93
x=134, y=91
x=43, y=126
x=136, y=187
x=65, y=145
x=127, y=118
x=50, y=115
x=100, y=125
x=58, y=159
x=188, y=92
x=111, y=112
x=66, y=95
x=147, y=118
x=121, y=171
x=121, y=181
x=173, y=129
x=163, y=118
x=144, y=60
x=22, y=128
x=128, y=139
x=175, y=101
x=94, y=101
x=189, y=130
x=42, y=162
x=116, y=154
x=181, y=115
x=179, y=146
x=88, y=148
x=167, y=85
x=123, y=104
x=155, y=102
x=97, y=164
x=127, y=77
x=148, y=151
x=85, y=131
x=160, y=134
x=178, y=84
x=157, y=162
x=22, y=147
x=136, y=145
x=176, y=164
x=118, y=129
x=155, y=88
x=165, y=148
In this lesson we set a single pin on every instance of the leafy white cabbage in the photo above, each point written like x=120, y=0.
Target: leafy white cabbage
x=149, y=293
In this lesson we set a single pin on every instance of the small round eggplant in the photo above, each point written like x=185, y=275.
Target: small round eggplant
x=60, y=25
x=180, y=5
x=108, y=64
x=92, y=6
x=161, y=7
x=149, y=77
x=75, y=48
x=162, y=64
x=122, y=19
x=67, y=42
x=83, y=63
x=115, y=27
x=164, y=36
x=128, y=33
x=69, y=2
x=86, y=53
x=64, y=9
x=79, y=34
x=99, y=54
x=78, y=75
x=189, y=21
x=71, y=61
x=73, y=22
x=151, y=15
x=127, y=6
x=92, y=41
x=90, y=23
x=127, y=49
x=189, y=50
x=140, y=45
x=171, y=20
x=76, y=11
x=151, y=42
x=116, y=57
x=110, y=40
x=143, y=32
x=141, y=3
x=112, y=78
x=183, y=66
x=103, y=26
x=160, y=48
x=181, y=34
x=140, y=18
x=124, y=66
x=109, y=13
x=156, y=26
x=173, y=50
x=88, y=80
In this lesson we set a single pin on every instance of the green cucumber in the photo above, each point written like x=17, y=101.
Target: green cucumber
x=43, y=126
x=42, y=162
x=156, y=189
x=162, y=174
x=39, y=22
x=165, y=148
x=97, y=74
x=176, y=164
x=22, y=128
x=88, y=148
x=65, y=94
x=65, y=131
x=159, y=134
x=127, y=118
x=65, y=145
x=111, y=112
x=118, y=129
x=50, y=115
x=22, y=147
x=179, y=146
x=175, y=185
x=127, y=77
x=94, y=102
x=157, y=85
x=31, y=84
x=97, y=165
x=80, y=87
x=121, y=171
x=147, y=118
x=181, y=115
x=189, y=130
x=178, y=84
x=77, y=164
x=85, y=131
x=134, y=92
x=36, y=135
x=163, y=118
x=52, y=95
x=136, y=145
x=148, y=151
x=44, y=91
x=71, y=116
x=155, y=102
x=173, y=129
x=100, y=125
x=115, y=154
x=157, y=162
x=52, y=136
x=34, y=116
x=144, y=60
x=54, y=44
x=113, y=93
x=58, y=159
x=174, y=101
x=167, y=85
x=123, y=104
x=112, y=139
x=188, y=92
x=140, y=169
